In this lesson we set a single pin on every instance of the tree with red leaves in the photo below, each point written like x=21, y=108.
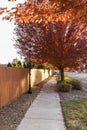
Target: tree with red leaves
x=62, y=44
x=62, y=41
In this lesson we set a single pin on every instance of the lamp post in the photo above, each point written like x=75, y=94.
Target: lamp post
x=29, y=70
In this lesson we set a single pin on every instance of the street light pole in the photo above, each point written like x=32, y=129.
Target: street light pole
x=29, y=70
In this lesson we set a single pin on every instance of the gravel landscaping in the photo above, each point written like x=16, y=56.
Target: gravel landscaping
x=12, y=113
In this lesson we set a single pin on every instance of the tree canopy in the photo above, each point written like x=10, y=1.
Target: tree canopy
x=44, y=11
x=62, y=41
x=57, y=43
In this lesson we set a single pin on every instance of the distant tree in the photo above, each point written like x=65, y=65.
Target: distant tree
x=15, y=63
x=19, y=64
x=24, y=64
x=40, y=67
x=9, y=64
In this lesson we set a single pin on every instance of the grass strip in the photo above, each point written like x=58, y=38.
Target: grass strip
x=75, y=114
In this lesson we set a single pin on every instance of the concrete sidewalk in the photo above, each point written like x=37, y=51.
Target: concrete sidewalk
x=45, y=112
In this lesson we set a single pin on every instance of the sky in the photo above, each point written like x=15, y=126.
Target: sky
x=7, y=50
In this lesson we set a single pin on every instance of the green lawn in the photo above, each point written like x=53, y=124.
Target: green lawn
x=75, y=114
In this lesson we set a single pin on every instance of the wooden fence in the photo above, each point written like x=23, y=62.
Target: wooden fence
x=14, y=82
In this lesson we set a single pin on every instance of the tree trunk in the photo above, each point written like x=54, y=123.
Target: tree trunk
x=61, y=72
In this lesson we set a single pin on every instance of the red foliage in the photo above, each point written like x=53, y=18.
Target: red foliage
x=57, y=43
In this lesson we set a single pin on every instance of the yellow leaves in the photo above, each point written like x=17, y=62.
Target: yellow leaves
x=47, y=11
x=6, y=17
x=2, y=10
x=21, y=20
x=31, y=11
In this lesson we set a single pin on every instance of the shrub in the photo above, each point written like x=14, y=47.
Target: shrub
x=76, y=84
x=68, y=80
x=59, y=81
x=64, y=87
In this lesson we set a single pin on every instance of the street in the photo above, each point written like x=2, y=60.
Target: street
x=81, y=76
